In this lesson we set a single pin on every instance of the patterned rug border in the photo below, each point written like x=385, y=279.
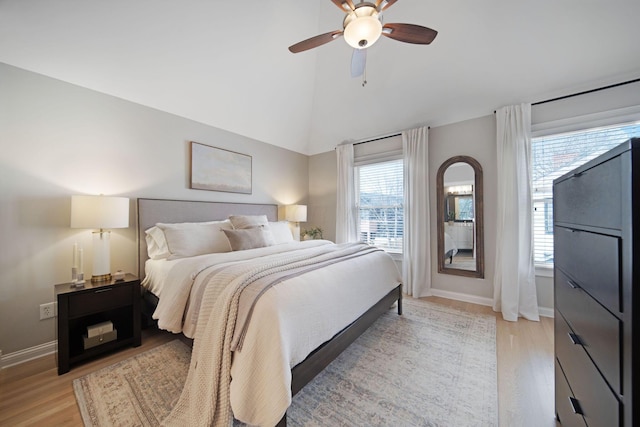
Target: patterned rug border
x=148, y=402
x=80, y=384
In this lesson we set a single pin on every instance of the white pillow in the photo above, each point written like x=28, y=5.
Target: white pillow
x=196, y=238
x=156, y=243
x=281, y=232
x=241, y=222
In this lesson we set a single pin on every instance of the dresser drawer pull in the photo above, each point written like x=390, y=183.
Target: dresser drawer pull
x=572, y=284
x=103, y=290
x=574, y=339
x=575, y=406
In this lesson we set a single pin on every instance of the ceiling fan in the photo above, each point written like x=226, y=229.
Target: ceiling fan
x=362, y=27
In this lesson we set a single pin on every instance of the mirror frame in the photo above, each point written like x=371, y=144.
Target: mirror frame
x=479, y=217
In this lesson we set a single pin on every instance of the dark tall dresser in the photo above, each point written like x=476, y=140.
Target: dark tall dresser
x=596, y=210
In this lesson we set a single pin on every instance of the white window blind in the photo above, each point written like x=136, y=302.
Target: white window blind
x=554, y=156
x=379, y=197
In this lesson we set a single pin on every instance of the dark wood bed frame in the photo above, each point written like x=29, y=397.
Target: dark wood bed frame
x=317, y=360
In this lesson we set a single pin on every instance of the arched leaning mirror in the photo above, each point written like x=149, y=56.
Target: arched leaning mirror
x=459, y=216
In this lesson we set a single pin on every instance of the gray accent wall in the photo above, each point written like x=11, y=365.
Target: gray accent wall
x=58, y=140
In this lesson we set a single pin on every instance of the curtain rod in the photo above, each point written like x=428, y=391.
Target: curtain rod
x=381, y=137
x=378, y=138
x=584, y=92
x=587, y=91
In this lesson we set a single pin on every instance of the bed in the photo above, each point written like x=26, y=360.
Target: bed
x=315, y=298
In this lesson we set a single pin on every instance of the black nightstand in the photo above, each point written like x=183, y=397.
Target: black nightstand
x=115, y=301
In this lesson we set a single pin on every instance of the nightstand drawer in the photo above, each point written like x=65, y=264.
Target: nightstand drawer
x=101, y=299
x=80, y=308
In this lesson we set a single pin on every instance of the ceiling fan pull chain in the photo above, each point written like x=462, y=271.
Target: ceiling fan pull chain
x=364, y=76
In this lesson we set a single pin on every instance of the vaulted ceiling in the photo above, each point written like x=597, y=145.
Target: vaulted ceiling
x=226, y=63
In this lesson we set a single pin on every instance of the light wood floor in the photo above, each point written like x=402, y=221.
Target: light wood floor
x=32, y=394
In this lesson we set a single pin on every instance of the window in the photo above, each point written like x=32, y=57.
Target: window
x=379, y=196
x=554, y=156
x=465, y=208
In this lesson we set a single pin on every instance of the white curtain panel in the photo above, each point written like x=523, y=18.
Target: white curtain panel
x=346, y=211
x=416, y=259
x=514, y=290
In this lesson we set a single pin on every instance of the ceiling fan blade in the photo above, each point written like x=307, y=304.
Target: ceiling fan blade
x=385, y=4
x=358, y=62
x=409, y=33
x=344, y=5
x=315, y=41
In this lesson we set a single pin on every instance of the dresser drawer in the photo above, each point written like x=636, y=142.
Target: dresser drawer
x=564, y=406
x=592, y=198
x=600, y=407
x=598, y=331
x=101, y=299
x=593, y=260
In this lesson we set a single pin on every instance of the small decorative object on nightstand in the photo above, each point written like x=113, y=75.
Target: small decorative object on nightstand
x=96, y=319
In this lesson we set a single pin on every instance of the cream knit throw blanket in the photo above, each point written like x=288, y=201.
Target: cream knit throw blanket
x=205, y=398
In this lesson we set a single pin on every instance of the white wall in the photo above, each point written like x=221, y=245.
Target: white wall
x=57, y=140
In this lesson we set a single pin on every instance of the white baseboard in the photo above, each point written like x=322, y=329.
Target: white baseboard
x=27, y=354
x=474, y=299
x=546, y=312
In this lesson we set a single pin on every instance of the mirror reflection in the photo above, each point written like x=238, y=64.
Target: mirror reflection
x=460, y=251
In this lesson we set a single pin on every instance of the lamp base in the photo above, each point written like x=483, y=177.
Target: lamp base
x=101, y=278
x=295, y=230
x=101, y=271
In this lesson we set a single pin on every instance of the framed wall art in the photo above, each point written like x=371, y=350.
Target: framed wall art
x=216, y=169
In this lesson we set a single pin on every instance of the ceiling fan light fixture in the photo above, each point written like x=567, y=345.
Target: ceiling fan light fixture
x=362, y=27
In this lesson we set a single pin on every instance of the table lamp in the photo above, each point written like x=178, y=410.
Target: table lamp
x=296, y=214
x=102, y=213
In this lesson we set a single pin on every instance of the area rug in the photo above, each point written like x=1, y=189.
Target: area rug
x=139, y=391
x=432, y=366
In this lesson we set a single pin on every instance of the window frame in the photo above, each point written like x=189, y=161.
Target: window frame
x=380, y=158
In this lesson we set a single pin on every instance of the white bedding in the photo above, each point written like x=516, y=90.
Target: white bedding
x=178, y=283
x=290, y=320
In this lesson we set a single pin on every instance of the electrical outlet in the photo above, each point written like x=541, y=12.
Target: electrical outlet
x=47, y=310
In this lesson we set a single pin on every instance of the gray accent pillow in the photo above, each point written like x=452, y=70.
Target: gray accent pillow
x=249, y=238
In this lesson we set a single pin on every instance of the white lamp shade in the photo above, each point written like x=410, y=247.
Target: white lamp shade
x=295, y=213
x=99, y=212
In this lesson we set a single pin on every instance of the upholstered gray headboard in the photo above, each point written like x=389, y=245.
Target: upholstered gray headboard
x=153, y=211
